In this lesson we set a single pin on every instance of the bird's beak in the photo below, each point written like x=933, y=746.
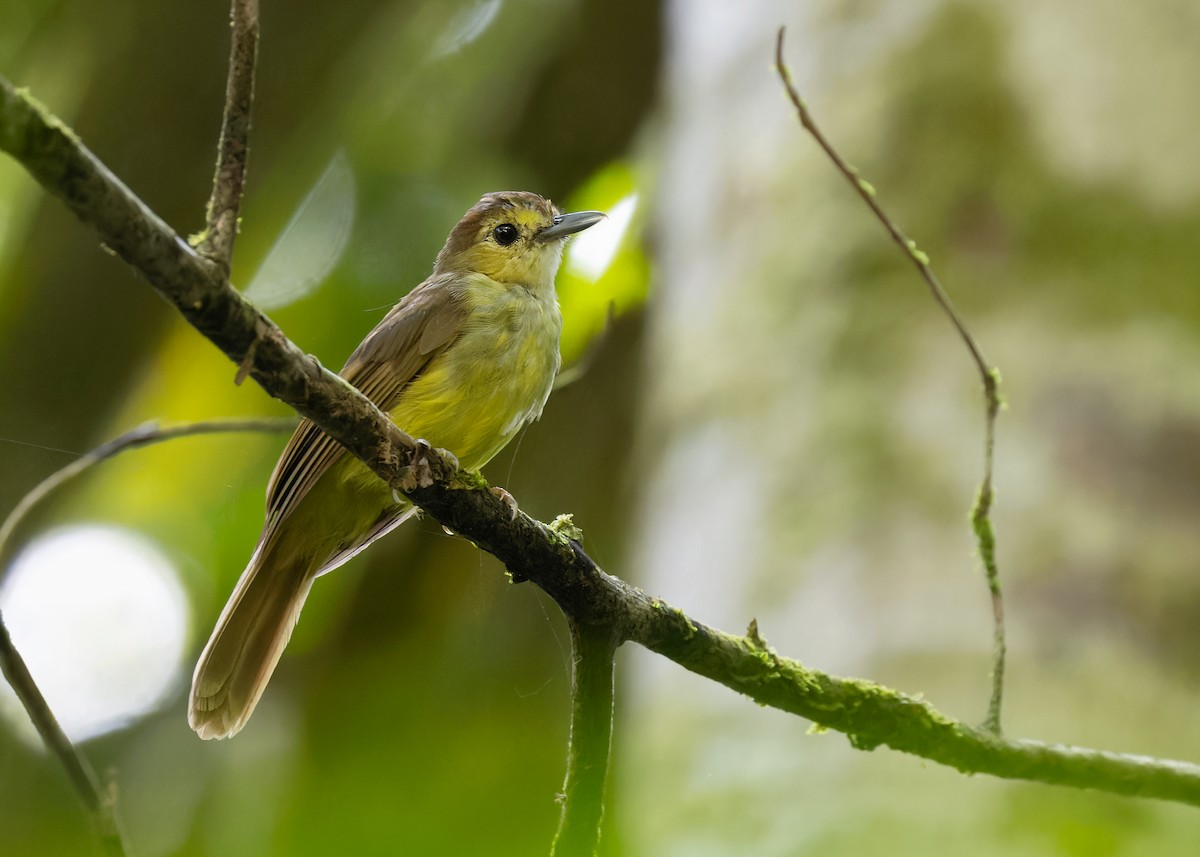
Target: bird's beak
x=569, y=224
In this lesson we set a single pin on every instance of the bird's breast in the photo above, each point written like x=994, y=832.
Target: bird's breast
x=474, y=397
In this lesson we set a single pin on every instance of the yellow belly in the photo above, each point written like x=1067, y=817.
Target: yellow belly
x=472, y=399
x=494, y=378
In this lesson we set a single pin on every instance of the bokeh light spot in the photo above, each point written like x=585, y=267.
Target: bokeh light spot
x=313, y=241
x=468, y=25
x=101, y=619
x=591, y=252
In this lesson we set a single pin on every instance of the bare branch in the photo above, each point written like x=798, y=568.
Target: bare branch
x=100, y=801
x=233, y=150
x=981, y=521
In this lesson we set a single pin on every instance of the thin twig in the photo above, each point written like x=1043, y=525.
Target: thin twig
x=594, y=650
x=234, y=147
x=143, y=435
x=587, y=360
x=99, y=800
x=981, y=521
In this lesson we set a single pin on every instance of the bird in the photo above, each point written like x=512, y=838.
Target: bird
x=463, y=361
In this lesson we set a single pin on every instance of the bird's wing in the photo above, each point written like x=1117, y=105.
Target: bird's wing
x=416, y=330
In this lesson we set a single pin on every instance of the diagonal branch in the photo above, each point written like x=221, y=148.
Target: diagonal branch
x=549, y=555
x=981, y=520
x=98, y=799
x=196, y=287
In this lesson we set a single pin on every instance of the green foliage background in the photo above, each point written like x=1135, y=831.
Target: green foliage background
x=424, y=706
x=421, y=707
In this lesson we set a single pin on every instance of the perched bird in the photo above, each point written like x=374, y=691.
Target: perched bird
x=464, y=361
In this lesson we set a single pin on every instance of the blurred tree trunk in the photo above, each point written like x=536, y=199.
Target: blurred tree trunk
x=813, y=429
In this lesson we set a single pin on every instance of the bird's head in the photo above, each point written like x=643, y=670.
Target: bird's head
x=513, y=237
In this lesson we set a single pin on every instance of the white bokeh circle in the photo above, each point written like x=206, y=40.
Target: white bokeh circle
x=101, y=620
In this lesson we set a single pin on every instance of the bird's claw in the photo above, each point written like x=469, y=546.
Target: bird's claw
x=508, y=500
x=425, y=449
x=419, y=473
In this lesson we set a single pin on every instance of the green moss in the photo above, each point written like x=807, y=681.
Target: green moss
x=917, y=253
x=564, y=525
x=994, y=377
x=985, y=536
x=689, y=626
x=471, y=481
x=45, y=116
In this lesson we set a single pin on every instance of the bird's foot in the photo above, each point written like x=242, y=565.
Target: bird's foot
x=450, y=457
x=508, y=500
x=419, y=473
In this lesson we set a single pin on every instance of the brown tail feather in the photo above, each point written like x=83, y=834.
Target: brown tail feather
x=244, y=648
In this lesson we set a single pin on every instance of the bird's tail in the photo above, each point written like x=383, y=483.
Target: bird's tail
x=250, y=636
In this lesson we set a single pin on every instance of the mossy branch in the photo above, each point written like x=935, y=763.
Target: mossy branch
x=594, y=652
x=869, y=714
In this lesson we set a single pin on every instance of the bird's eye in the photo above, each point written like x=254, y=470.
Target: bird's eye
x=505, y=234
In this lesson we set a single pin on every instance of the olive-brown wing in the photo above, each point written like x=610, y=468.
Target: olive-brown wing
x=422, y=325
